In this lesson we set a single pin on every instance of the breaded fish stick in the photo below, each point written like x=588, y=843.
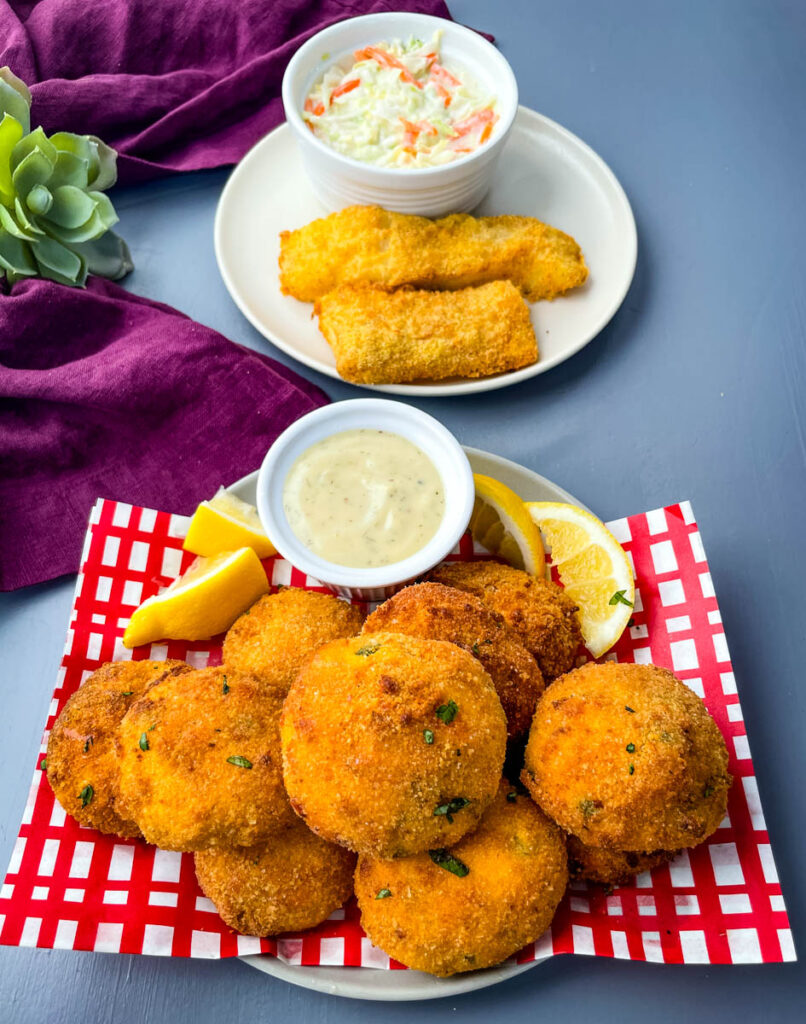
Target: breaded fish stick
x=365, y=244
x=381, y=337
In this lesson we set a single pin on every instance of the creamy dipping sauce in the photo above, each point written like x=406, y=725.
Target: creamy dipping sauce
x=364, y=498
x=399, y=105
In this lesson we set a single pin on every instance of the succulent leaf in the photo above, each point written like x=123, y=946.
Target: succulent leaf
x=57, y=263
x=15, y=99
x=9, y=224
x=38, y=201
x=107, y=256
x=54, y=214
x=10, y=135
x=15, y=257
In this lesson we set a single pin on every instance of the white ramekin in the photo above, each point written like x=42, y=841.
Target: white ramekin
x=428, y=434
x=340, y=181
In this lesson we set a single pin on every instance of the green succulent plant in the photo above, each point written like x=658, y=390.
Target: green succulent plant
x=55, y=219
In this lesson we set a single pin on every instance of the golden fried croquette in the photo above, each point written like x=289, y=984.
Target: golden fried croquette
x=366, y=244
x=200, y=761
x=627, y=757
x=610, y=867
x=392, y=744
x=435, y=612
x=540, y=612
x=82, y=764
x=474, y=904
x=292, y=882
x=381, y=337
x=278, y=633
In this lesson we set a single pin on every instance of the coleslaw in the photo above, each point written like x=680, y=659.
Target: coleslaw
x=399, y=105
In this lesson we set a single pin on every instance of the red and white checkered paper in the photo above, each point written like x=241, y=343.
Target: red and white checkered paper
x=70, y=887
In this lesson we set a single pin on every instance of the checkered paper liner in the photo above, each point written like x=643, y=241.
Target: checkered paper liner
x=69, y=887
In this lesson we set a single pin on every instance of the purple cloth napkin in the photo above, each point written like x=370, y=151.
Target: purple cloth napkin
x=173, y=85
x=106, y=393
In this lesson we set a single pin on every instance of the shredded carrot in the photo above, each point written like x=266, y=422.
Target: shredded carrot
x=314, y=108
x=444, y=77
x=419, y=126
x=345, y=87
x=386, y=60
x=477, y=120
x=486, y=132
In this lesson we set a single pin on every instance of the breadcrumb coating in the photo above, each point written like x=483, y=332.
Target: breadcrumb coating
x=273, y=638
x=435, y=612
x=392, y=744
x=82, y=763
x=200, y=762
x=369, y=245
x=382, y=337
x=539, y=611
x=627, y=757
x=292, y=882
x=610, y=867
x=512, y=875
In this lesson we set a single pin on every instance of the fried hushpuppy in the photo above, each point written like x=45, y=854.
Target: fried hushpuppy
x=277, y=634
x=471, y=905
x=82, y=764
x=370, y=245
x=436, y=612
x=200, y=761
x=392, y=744
x=381, y=337
x=292, y=882
x=539, y=611
x=627, y=757
x=610, y=867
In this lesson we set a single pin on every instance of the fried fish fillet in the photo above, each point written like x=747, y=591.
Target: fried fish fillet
x=369, y=245
x=381, y=337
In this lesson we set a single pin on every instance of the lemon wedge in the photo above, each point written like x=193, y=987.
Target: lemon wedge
x=225, y=523
x=501, y=523
x=205, y=601
x=593, y=568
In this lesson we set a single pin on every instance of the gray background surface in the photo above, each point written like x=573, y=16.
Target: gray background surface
x=695, y=390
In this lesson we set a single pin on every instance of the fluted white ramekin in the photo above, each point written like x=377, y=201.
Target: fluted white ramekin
x=339, y=180
x=428, y=434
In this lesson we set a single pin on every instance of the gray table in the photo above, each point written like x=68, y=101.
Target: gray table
x=695, y=390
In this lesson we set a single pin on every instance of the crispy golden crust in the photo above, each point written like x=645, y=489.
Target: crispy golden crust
x=81, y=755
x=593, y=725
x=280, y=631
x=357, y=760
x=369, y=245
x=176, y=780
x=292, y=882
x=435, y=612
x=610, y=867
x=539, y=611
x=435, y=921
x=381, y=337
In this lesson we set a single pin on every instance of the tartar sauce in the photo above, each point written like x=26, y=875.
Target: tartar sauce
x=400, y=105
x=364, y=498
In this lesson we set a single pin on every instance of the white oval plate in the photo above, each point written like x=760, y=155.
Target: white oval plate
x=544, y=172
x=401, y=986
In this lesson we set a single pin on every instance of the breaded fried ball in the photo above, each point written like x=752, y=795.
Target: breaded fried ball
x=273, y=638
x=200, y=762
x=474, y=904
x=392, y=744
x=610, y=867
x=627, y=757
x=292, y=882
x=436, y=612
x=539, y=611
x=82, y=764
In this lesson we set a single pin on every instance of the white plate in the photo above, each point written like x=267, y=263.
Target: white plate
x=401, y=986
x=544, y=172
